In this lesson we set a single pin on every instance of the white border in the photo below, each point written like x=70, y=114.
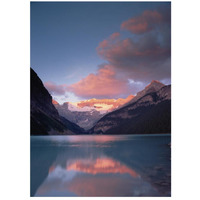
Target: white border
x=15, y=62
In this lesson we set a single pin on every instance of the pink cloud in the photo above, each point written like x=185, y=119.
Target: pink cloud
x=142, y=23
x=104, y=83
x=140, y=58
x=55, y=89
x=103, y=44
x=108, y=42
x=114, y=35
x=128, y=50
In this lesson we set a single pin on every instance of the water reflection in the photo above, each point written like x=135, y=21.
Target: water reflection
x=100, y=165
x=104, y=166
x=88, y=138
x=99, y=177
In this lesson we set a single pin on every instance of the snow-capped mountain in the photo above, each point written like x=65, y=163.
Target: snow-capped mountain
x=87, y=113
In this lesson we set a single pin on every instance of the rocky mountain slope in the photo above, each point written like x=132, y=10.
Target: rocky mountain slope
x=152, y=87
x=148, y=112
x=45, y=119
x=87, y=113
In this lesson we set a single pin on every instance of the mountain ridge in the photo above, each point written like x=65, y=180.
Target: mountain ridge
x=147, y=112
x=45, y=119
x=86, y=113
x=153, y=86
x=139, y=116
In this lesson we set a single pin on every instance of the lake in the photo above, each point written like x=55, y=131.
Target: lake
x=103, y=165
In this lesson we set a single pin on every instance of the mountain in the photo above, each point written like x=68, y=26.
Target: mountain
x=103, y=105
x=45, y=119
x=147, y=113
x=87, y=113
x=152, y=87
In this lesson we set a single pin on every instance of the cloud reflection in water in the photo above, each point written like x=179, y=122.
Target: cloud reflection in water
x=102, y=176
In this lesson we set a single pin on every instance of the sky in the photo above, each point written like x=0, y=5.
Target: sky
x=100, y=49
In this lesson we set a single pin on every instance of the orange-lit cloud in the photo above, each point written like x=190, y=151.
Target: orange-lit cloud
x=104, y=83
x=142, y=23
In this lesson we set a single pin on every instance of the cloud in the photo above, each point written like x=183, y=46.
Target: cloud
x=114, y=35
x=145, y=58
x=142, y=57
x=55, y=89
x=106, y=43
x=143, y=23
x=103, y=84
x=131, y=62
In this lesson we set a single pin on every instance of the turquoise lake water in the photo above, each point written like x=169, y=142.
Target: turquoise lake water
x=104, y=165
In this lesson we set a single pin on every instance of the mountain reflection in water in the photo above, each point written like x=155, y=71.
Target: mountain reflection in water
x=100, y=165
x=103, y=166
